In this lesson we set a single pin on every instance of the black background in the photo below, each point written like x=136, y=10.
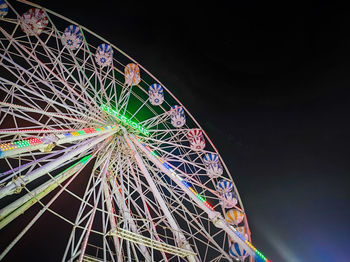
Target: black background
x=269, y=83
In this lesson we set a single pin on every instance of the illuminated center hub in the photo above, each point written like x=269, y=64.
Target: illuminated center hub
x=125, y=120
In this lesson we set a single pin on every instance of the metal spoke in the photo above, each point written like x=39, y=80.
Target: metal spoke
x=149, y=194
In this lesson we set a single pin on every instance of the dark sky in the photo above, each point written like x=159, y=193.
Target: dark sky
x=269, y=82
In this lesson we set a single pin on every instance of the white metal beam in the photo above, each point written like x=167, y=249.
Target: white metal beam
x=160, y=200
x=217, y=219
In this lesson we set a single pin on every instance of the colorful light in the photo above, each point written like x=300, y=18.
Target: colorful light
x=257, y=252
x=124, y=119
x=8, y=146
x=37, y=141
x=75, y=133
x=89, y=130
x=34, y=141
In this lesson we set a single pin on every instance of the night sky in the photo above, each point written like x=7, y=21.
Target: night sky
x=269, y=83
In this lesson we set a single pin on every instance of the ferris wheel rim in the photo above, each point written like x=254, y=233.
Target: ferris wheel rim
x=154, y=78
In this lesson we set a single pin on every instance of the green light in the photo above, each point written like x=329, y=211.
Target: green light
x=201, y=198
x=22, y=143
x=153, y=153
x=125, y=120
x=84, y=159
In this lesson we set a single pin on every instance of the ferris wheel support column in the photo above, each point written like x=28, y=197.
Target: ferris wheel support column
x=213, y=215
x=158, y=197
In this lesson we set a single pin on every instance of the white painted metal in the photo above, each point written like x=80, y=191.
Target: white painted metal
x=120, y=201
x=50, y=89
x=136, y=238
x=216, y=218
x=181, y=239
x=59, y=141
x=21, y=181
x=16, y=208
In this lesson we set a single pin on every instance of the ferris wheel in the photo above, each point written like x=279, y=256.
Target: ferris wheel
x=157, y=190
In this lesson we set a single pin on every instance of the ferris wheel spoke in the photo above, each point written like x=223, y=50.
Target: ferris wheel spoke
x=177, y=140
x=78, y=67
x=78, y=98
x=166, y=131
x=138, y=110
x=107, y=82
x=192, y=177
x=113, y=86
x=178, y=158
x=124, y=98
x=34, y=56
x=213, y=215
x=171, y=139
x=100, y=180
x=176, y=208
x=195, y=221
x=111, y=215
x=160, y=200
x=127, y=92
x=19, y=115
x=28, y=94
x=127, y=217
x=87, y=81
x=42, y=112
x=23, y=116
x=156, y=120
x=56, y=61
x=169, y=146
x=144, y=103
x=29, y=91
x=169, y=135
x=78, y=241
x=108, y=85
x=183, y=160
x=39, y=214
x=148, y=214
x=32, y=78
x=90, y=58
x=160, y=221
x=90, y=192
